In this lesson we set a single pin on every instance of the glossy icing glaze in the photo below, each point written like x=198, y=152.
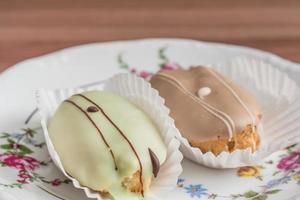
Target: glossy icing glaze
x=205, y=104
x=102, y=139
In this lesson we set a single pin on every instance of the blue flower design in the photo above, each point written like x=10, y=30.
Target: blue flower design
x=17, y=136
x=276, y=182
x=196, y=190
x=30, y=141
x=180, y=182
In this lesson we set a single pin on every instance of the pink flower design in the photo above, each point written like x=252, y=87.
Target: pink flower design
x=24, y=176
x=289, y=162
x=170, y=66
x=19, y=162
x=56, y=182
x=145, y=74
x=132, y=70
x=15, y=146
x=22, y=181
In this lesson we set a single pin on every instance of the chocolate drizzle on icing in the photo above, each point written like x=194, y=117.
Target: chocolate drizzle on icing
x=99, y=131
x=92, y=109
x=155, y=163
x=123, y=135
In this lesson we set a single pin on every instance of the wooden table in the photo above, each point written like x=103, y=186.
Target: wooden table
x=33, y=27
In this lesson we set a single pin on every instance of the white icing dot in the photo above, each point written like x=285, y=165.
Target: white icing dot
x=204, y=91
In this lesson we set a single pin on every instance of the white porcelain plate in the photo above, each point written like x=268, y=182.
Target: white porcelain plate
x=26, y=171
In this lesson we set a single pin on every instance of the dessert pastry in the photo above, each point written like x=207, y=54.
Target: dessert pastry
x=211, y=112
x=108, y=144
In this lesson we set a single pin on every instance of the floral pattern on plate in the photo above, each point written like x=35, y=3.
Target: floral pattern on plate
x=288, y=166
x=288, y=170
x=16, y=153
x=24, y=154
x=164, y=64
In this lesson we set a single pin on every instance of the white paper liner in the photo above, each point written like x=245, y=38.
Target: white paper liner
x=278, y=96
x=140, y=93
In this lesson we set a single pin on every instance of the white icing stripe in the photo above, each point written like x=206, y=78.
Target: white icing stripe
x=222, y=113
x=235, y=95
x=226, y=119
x=207, y=107
x=202, y=102
x=212, y=110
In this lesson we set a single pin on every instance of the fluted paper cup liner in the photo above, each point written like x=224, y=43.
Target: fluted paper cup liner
x=140, y=93
x=279, y=98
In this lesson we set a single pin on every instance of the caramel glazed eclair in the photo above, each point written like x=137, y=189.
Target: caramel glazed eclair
x=107, y=144
x=212, y=112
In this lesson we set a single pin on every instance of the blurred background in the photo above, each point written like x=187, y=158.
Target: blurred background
x=30, y=28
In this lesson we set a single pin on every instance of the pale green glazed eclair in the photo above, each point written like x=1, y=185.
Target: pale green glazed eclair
x=108, y=144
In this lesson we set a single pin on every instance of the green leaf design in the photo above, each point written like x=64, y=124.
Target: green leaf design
x=121, y=62
x=40, y=145
x=273, y=191
x=275, y=173
x=261, y=197
x=162, y=56
x=6, y=146
x=291, y=146
x=270, y=162
x=4, y=135
x=67, y=181
x=290, y=149
x=250, y=194
x=236, y=196
x=13, y=185
x=29, y=131
x=25, y=150
x=10, y=141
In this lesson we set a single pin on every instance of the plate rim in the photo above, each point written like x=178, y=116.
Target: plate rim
x=271, y=56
